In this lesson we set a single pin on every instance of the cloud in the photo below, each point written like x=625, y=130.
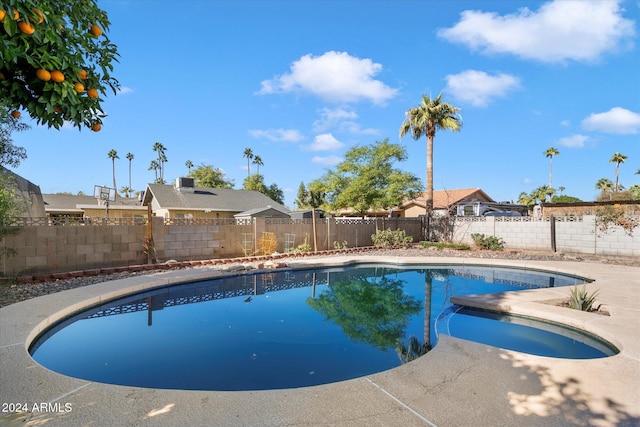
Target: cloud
x=124, y=90
x=558, y=31
x=617, y=120
x=327, y=161
x=278, y=135
x=334, y=77
x=479, y=88
x=341, y=119
x=325, y=142
x=574, y=141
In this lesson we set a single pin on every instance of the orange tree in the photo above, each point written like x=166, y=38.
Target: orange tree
x=56, y=60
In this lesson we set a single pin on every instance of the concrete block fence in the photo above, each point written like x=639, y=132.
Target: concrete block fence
x=572, y=234
x=43, y=249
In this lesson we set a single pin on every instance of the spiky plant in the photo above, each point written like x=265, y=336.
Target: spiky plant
x=580, y=299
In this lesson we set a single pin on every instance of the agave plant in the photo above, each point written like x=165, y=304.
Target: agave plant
x=580, y=299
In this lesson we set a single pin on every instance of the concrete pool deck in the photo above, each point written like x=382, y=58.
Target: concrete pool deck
x=457, y=383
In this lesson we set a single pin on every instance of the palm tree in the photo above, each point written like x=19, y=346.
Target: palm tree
x=424, y=119
x=126, y=191
x=248, y=153
x=154, y=166
x=130, y=158
x=617, y=158
x=605, y=186
x=113, y=155
x=257, y=160
x=189, y=165
x=561, y=189
x=162, y=159
x=550, y=152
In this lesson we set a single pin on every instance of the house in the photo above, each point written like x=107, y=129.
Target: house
x=185, y=201
x=28, y=195
x=444, y=202
x=264, y=212
x=60, y=207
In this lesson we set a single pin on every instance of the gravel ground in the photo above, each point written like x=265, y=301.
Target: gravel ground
x=11, y=292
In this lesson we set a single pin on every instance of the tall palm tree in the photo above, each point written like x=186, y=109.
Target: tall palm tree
x=248, y=153
x=130, y=158
x=113, y=155
x=189, y=165
x=257, y=160
x=424, y=119
x=550, y=152
x=617, y=158
x=161, y=150
x=605, y=186
x=154, y=166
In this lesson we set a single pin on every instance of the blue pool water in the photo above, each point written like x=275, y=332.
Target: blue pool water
x=295, y=328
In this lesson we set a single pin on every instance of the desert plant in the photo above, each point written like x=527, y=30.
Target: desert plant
x=580, y=299
x=267, y=243
x=338, y=245
x=491, y=243
x=303, y=247
x=388, y=238
x=443, y=245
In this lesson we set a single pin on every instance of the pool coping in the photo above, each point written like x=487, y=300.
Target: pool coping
x=557, y=391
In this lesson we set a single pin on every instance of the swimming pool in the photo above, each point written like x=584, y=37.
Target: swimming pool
x=284, y=329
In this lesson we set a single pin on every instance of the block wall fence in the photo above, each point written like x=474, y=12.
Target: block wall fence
x=57, y=249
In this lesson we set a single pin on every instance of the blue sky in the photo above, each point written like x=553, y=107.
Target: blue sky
x=301, y=82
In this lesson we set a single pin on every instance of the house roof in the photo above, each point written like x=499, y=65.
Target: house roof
x=203, y=198
x=76, y=204
x=444, y=199
x=252, y=212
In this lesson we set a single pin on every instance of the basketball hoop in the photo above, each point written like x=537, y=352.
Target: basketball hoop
x=106, y=195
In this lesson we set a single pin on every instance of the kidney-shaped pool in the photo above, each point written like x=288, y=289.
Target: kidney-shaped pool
x=296, y=328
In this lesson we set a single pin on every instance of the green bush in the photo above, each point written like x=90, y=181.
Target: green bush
x=487, y=242
x=338, y=245
x=580, y=299
x=442, y=245
x=387, y=238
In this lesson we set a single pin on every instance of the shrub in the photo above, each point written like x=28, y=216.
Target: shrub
x=487, y=242
x=338, y=245
x=442, y=245
x=580, y=299
x=387, y=238
x=303, y=247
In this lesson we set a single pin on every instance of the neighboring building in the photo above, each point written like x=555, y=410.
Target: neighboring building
x=306, y=214
x=184, y=201
x=445, y=202
x=28, y=194
x=266, y=212
x=68, y=206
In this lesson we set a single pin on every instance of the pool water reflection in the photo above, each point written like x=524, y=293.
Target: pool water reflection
x=279, y=330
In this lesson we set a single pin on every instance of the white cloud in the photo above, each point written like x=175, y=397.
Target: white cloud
x=559, y=30
x=124, y=90
x=278, y=135
x=327, y=161
x=616, y=120
x=341, y=119
x=325, y=142
x=574, y=141
x=565, y=123
x=479, y=88
x=333, y=76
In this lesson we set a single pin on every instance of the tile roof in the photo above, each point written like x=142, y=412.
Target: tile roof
x=220, y=199
x=71, y=202
x=442, y=199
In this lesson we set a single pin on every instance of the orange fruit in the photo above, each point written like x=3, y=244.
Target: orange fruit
x=40, y=15
x=79, y=87
x=57, y=76
x=96, y=127
x=92, y=93
x=16, y=15
x=43, y=75
x=57, y=110
x=15, y=114
x=82, y=74
x=2, y=14
x=26, y=27
x=96, y=30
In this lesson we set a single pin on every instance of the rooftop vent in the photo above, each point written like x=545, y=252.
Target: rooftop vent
x=185, y=185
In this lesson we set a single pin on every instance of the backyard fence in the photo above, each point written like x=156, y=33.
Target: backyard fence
x=42, y=246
